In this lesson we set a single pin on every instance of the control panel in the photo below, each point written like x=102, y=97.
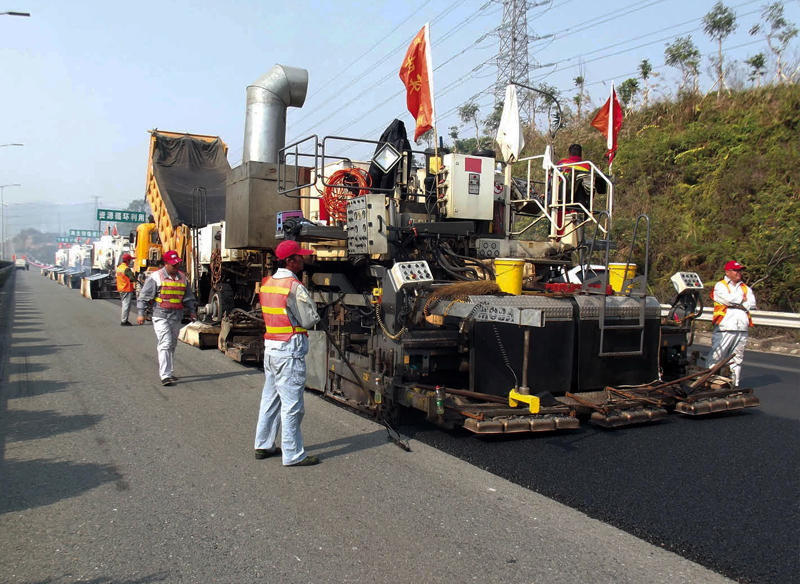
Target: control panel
x=410, y=274
x=469, y=187
x=366, y=225
x=686, y=281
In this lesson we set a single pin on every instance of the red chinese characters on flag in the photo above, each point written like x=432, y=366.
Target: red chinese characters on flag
x=608, y=121
x=416, y=76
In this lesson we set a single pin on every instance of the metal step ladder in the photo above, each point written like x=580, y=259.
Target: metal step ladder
x=635, y=288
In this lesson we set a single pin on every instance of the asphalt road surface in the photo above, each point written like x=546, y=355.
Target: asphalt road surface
x=106, y=476
x=722, y=490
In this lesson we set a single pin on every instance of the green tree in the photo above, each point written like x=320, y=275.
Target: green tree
x=758, y=65
x=627, y=91
x=778, y=32
x=426, y=138
x=719, y=24
x=582, y=98
x=645, y=72
x=468, y=114
x=492, y=121
x=454, y=136
x=138, y=206
x=683, y=54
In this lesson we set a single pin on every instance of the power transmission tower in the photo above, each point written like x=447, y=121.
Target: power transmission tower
x=512, y=56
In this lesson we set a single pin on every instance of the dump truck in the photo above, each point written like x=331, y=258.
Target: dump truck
x=185, y=190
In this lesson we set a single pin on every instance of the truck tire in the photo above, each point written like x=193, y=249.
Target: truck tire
x=220, y=301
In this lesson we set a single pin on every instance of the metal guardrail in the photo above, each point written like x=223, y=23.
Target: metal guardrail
x=760, y=317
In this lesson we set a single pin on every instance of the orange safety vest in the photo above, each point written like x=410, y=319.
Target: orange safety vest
x=273, y=295
x=170, y=292
x=124, y=283
x=720, y=310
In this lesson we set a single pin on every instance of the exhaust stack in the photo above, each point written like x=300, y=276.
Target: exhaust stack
x=267, y=99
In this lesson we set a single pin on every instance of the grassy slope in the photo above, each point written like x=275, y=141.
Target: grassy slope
x=719, y=181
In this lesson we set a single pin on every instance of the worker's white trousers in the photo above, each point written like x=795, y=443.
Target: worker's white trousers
x=126, y=304
x=167, y=331
x=282, y=406
x=723, y=345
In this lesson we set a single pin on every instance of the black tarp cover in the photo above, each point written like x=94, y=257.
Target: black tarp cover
x=183, y=164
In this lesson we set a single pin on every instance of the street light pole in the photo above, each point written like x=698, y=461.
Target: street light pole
x=14, y=249
x=2, y=220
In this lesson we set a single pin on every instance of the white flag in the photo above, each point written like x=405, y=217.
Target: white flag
x=509, y=132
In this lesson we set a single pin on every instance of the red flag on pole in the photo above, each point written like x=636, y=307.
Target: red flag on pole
x=417, y=75
x=608, y=121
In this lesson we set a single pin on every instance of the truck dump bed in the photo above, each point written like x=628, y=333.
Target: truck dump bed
x=185, y=183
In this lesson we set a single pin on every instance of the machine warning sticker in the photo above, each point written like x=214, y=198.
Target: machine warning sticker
x=474, y=183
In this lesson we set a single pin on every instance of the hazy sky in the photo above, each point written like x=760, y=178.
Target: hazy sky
x=81, y=82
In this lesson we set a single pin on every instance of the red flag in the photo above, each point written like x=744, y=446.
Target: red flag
x=417, y=76
x=609, y=120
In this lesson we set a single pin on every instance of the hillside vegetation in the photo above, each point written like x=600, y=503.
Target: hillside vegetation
x=719, y=179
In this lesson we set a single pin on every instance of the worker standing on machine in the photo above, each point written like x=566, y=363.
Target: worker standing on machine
x=733, y=301
x=288, y=312
x=125, y=286
x=169, y=289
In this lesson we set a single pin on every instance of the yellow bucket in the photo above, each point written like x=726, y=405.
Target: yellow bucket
x=508, y=272
x=617, y=275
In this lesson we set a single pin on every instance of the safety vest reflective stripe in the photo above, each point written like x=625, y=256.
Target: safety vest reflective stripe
x=274, y=290
x=278, y=330
x=273, y=310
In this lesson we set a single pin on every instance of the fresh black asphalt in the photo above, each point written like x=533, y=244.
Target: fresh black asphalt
x=723, y=490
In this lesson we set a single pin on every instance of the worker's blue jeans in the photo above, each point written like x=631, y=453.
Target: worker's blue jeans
x=282, y=405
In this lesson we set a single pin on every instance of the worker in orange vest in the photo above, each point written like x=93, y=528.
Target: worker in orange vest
x=733, y=301
x=169, y=292
x=288, y=312
x=125, y=286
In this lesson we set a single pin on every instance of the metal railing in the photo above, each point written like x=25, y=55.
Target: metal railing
x=559, y=197
x=789, y=320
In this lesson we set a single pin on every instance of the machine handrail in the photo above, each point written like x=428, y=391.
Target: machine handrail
x=556, y=211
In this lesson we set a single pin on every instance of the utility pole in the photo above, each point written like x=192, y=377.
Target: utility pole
x=512, y=55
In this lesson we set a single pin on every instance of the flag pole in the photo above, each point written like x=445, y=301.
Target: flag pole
x=429, y=65
x=610, y=139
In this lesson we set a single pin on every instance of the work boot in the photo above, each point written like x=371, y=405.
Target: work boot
x=166, y=381
x=307, y=461
x=125, y=323
x=262, y=453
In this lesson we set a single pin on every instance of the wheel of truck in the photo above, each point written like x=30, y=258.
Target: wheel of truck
x=220, y=302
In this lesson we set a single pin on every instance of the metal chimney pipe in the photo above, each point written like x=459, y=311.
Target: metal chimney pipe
x=267, y=99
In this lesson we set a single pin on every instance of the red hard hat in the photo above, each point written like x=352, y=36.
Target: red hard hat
x=126, y=257
x=171, y=257
x=290, y=248
x=733, y=265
